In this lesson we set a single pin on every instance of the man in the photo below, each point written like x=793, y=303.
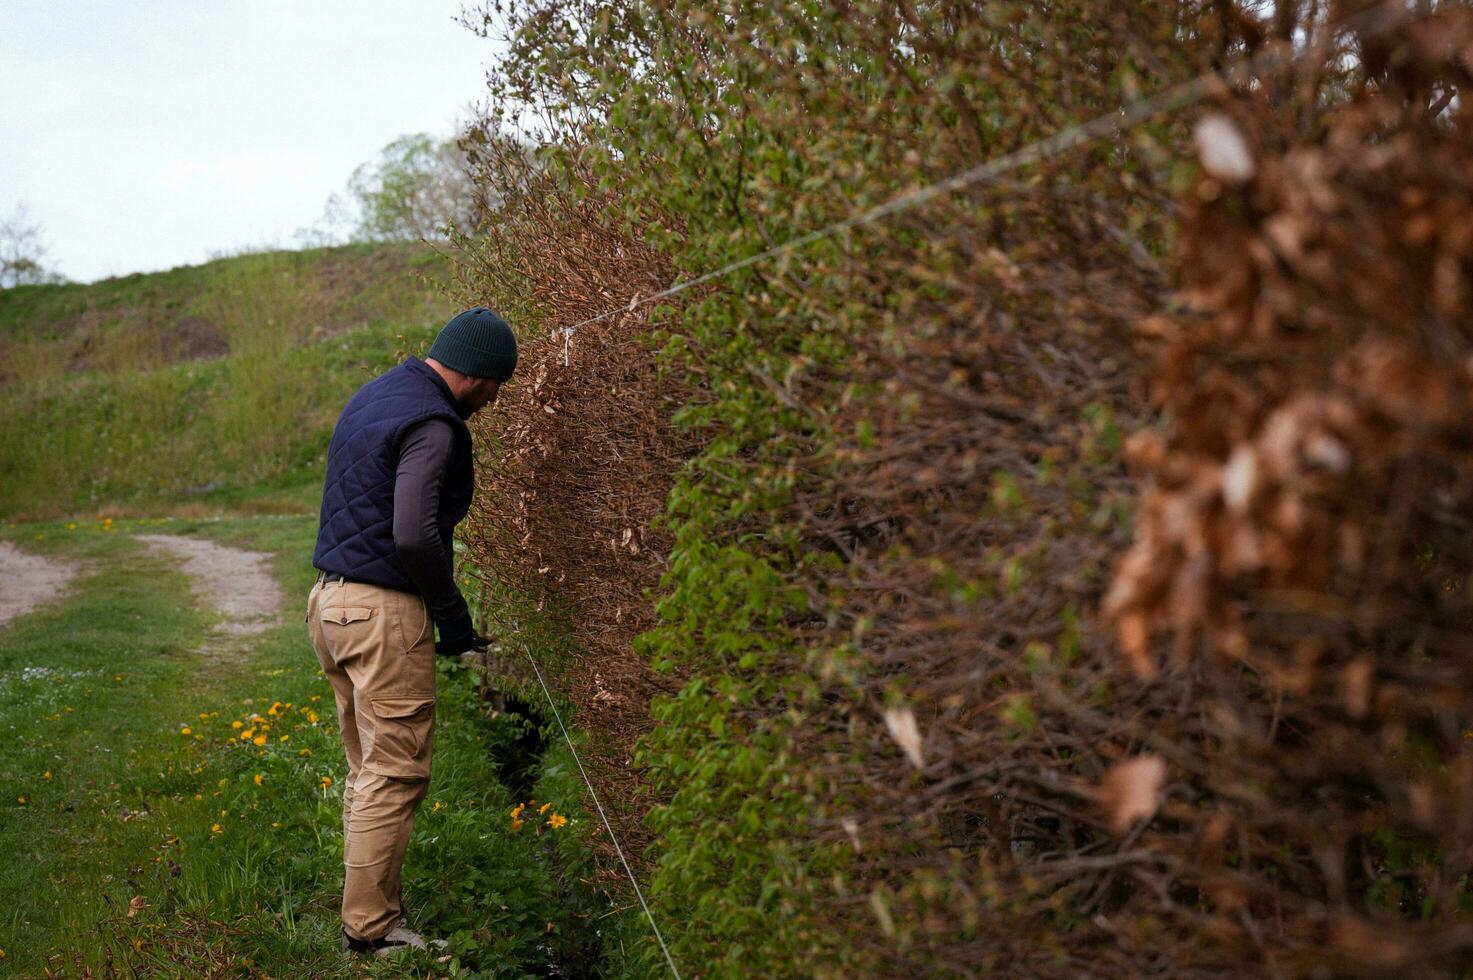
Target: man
x=399, y=478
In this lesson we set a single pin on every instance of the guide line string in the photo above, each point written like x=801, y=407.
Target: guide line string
x=1368, y=24
x=602, y=816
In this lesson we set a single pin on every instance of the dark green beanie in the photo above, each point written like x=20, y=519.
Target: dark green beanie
x=479, y=343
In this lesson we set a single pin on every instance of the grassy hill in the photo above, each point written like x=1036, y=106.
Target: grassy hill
x=152, y=839
x=202, y=387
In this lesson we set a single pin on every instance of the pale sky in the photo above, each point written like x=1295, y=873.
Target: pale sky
x=144, y=134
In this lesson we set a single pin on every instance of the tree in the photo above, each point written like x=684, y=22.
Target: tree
x=420, y=188
x=415, y=190
x=23, y=252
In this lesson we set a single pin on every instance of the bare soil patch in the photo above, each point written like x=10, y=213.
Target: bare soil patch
x=236, y=582
x=27, y=581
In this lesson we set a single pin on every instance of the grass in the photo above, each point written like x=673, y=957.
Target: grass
x=206, y=385
x=145, y=836
x=363, y=281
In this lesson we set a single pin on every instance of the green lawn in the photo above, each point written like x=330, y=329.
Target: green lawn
x=143, y=836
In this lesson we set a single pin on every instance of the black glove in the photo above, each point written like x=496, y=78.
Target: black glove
x=459, y=635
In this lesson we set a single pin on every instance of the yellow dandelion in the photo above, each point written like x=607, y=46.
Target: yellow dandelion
x=284, y=738
x=237, y=724
x=543, y=809
x=437, y=807
x=259, y=779
x=204, y=716
x=215, y=828
x=222, y=783
x=199, y=796
x=274, y=825
x=21, y=800
x=326, y=781
x=556, y=820
x=71, y=527
x=248, y=734
x=305, y=752
x=316, y=697
x=312, y=717
x=224, y=813
x=516, y=825
x=186, y=730
x=117, y=677
x=259, y=740
x=46, y=774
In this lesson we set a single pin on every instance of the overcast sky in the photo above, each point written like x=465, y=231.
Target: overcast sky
x=144, y=134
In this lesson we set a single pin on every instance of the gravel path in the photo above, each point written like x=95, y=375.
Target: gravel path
x=236, y=582
x=27, y=581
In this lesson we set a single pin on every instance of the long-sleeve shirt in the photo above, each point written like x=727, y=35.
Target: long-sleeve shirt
x=424, y=455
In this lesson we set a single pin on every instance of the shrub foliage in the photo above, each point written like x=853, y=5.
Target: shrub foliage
x=854, y=510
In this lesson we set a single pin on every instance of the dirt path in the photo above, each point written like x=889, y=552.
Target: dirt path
x=236, y=582
x=27, y=581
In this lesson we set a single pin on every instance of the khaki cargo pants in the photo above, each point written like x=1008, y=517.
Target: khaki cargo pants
x=377, y=647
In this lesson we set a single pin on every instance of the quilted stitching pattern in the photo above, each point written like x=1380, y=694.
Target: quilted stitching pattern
x=355, y=536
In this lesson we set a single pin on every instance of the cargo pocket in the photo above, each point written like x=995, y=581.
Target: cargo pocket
x=402, y=734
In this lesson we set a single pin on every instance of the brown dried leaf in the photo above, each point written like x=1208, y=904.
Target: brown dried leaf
x=1355, y=685
x=1131, y=790
x=907, y=734
x=1223, y=149
x=1134, y=632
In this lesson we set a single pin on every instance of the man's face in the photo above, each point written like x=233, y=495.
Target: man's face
x=478, y=394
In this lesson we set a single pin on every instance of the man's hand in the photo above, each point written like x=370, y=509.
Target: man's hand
x=459, y=635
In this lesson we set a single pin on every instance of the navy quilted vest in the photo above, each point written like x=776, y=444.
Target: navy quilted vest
x=355, y=538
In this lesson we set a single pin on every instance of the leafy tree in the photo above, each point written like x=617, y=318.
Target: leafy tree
x=23, y=252
x=420, y=188
x=417, y=188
